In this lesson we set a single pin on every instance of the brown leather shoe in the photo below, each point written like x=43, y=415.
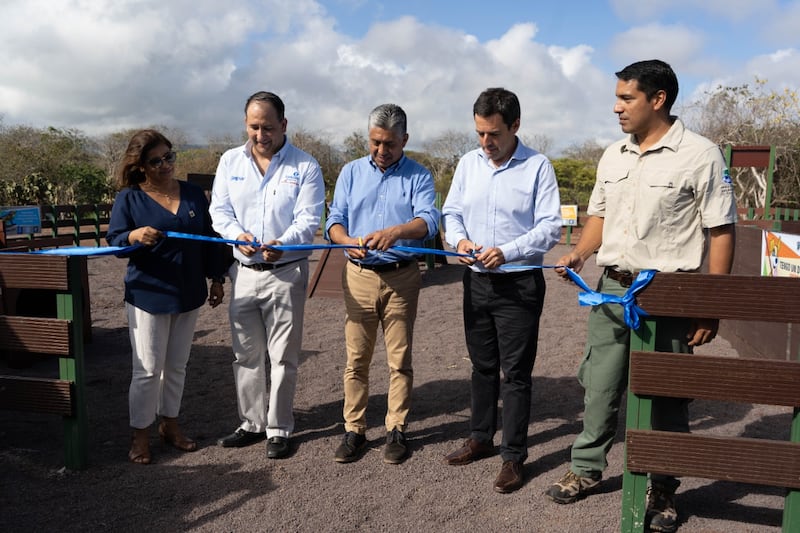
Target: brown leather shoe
x=510, y=477
x=471, y=451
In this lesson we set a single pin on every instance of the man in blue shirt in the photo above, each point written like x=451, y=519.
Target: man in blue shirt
x=503, y=207
x=381, y=200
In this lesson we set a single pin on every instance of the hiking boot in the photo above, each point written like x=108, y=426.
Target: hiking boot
x=572, y=487
x=396, y=449
x=351, y=447
x=661, y=510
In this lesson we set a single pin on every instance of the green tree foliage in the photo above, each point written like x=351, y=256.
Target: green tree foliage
x=49, y=165
x=575, y=180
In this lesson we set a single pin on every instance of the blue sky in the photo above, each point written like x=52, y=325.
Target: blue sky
x=106, y=65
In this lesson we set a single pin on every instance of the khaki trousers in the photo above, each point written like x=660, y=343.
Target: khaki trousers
x=389, y=299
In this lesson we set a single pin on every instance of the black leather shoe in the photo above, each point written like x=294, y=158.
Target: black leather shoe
x=240, y=438
x=277, y=447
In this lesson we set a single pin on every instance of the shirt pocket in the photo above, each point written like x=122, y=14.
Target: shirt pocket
x=663, y=201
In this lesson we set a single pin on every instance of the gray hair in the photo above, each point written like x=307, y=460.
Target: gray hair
x=388, y=117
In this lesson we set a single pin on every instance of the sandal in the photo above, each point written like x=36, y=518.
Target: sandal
x=172, y=435
x=140, y=447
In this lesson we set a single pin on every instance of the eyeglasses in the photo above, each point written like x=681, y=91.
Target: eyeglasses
x=156, y=162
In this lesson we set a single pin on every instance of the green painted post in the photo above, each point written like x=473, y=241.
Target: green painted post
x=634, y=485
x=70, y=306
x=791, y=504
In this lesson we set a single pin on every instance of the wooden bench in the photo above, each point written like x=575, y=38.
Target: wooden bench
x=61, y=337
x=757, y=381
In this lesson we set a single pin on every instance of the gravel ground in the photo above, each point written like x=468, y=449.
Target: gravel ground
x=216, y=489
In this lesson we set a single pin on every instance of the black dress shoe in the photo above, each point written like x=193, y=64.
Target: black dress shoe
x=240, y=438
x=277, y=447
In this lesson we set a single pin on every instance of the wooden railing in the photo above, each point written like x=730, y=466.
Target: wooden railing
x=61, y=336
x=760, y=381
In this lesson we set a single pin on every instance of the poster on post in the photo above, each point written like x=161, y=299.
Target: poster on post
x=780, y=254
x=569, y=215
x=21, y=220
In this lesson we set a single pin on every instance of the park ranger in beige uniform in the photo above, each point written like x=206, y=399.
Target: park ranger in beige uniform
x=662, y=197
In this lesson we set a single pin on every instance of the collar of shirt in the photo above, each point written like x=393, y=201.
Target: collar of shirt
x=671, y=140
x=521, y=153
x=389, y=170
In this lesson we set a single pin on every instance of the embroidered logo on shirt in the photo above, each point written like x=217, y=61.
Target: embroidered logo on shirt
x=191, y=213
x=237, y=178
x=726, y=177
x=294, y=179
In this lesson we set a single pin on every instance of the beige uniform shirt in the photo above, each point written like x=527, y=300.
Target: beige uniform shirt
x=656, y=204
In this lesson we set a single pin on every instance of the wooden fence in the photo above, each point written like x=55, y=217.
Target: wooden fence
x=60, y=336
x=760, y=381
x=64, y=225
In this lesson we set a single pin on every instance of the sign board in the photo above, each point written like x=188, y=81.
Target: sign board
x=780, y=254
x=21, y=220
x=569, y=215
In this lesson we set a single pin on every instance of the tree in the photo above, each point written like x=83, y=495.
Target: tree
x=330, y=159
x=746, y=115
x=444, y=152
x=539, y=142
x=46, y=165
x=590, y=151
x=575, y=180
x=356, y=146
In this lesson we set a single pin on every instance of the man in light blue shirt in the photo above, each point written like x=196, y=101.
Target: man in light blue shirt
x=266, y=192
x=503, y=207
x=381, y=200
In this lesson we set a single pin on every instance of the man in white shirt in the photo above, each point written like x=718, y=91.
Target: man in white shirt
x=266, y=192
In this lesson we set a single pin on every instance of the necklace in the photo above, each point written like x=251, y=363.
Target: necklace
x=151, y=189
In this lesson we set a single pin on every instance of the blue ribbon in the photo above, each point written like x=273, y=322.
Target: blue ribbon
x=632, y=312
x=84, y=250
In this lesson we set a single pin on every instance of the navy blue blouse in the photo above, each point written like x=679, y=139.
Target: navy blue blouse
x=169, y=277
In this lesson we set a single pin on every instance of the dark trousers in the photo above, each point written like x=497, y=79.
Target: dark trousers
x=501, y=322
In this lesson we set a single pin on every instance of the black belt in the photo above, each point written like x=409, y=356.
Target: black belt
x=262, y=267
x=503, y=276
x=624, y=277
x=383, y=267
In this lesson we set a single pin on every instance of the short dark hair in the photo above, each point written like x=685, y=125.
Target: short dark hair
x=498, y=100
x=269, y=98
x=652, y=76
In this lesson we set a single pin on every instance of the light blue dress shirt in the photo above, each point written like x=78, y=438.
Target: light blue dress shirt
x=515, y=207
x=367, y=199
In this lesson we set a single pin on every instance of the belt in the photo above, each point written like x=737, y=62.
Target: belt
x=262, y=267
x=383, y=267
x=502, y=276
x=624, y=277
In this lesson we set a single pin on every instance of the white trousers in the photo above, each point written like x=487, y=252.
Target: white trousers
x=160, y=345
x=266, y=315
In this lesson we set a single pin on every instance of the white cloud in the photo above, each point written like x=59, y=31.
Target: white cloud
x=106, y=65
x=673, y=44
